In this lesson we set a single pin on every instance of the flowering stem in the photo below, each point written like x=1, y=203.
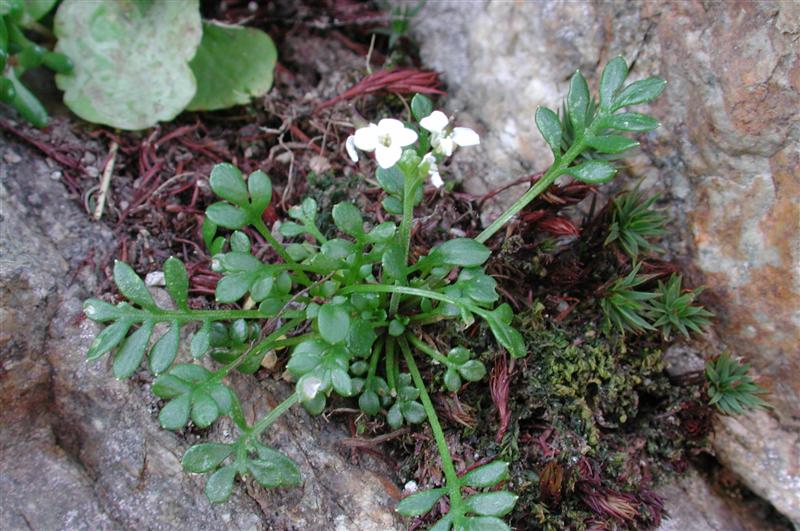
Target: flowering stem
x=430, y=351
x=409, y=192
x=453, y=484
x=558, y=167
x=279, y=248
x=272, y=416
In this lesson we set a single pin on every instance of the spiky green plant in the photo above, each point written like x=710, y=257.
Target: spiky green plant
x=730, y=388
x=626, y=308
x=675, y=308
x=634, y=222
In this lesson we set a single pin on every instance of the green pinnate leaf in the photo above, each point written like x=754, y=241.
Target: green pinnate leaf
x=578, y=100
x=227, y=216
x=491, y=503
x=611, y=80
x=165, y=350
x=130, y=355
x=550, y=127
x=486, y=475
x=639, y=92
x=334, y=323
x=205, y=457
x=593, y=172
x=132, y=286
x=108, y=338
x=419, y=503
x=220, y=484
x=227, y=182
x=177, y=281
x=611, y=143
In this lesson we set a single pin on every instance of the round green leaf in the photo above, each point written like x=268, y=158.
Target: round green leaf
x=413, y=412
x=421, y=106
x=114, y=44
x=334, y=323
x=227, y=216
x=205, y=457
x=226, y=181
x=233, y=286
x=460, y=252
x=369, y=403
x=472, y=371
x=260, y=188
x=232, y=65
x=205, y=409
x=492, y=503
x=419, y=503
x=305, y=357
x=452, y=381
x=394, y=416
x=273, y=469
x=486, y=475
x=220, y=485
x=175, y=414
x=348, y=219
x=342, y=383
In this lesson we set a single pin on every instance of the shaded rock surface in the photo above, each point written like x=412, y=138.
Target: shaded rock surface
x=727, y=157
x=81, y=450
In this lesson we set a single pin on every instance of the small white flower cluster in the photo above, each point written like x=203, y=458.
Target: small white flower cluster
x=388, y=138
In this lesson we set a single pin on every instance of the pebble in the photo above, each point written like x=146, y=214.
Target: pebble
x=12, y=158
x=91, y=171
x=154, y=278
x=56, y=175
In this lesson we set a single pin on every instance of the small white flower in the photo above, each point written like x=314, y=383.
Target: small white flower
x=387, y=140
x=411, y=487
x=444, y=141
x=433, y=172
x=350, y=146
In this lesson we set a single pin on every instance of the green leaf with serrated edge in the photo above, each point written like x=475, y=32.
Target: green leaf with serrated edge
x=631, y=121
x=227, y=182
x=177, y=281
x=458, y=252
x=306, y=356
x=578, y=101
x=227, y=216
x=260, y=188
x=421, y=106
x=486, y=475
x=550, y=127
x=419, y=503
x=165, y=350
x=220, y=484
x=472, y=371
x=159, y=37
x=205, y=457
x=201, y=340
x=175, y=414
x=393, y=261
x=611, y=80
x=348, y=219
x=611, y=143
x=369, y=403
x=334, y=323
x=108, y=338
x=484, y=523
x=132, y=286
x=101, y=311
x=639, y=92
x=233, y=286
x=592, y=172
x=273, y=469
x=491, y=503
x=129, y=356
x=204, y=409
x=232, y=65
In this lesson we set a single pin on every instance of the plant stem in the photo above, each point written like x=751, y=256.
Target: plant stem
x=429, y=350
x=406, y=290
x=409, y=192
x=390, y=366
x=540, y=186
x=272, y=416
x=453, y=484
x=279, y=248
x=269, y=342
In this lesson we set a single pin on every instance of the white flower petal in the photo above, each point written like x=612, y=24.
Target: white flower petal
x=390, y=125
x=310, y=386
x=436, y=179
x=350, y=146
x=435, y=122
x=387, y=156
x=464, y=136
x=366, y=138
x=403, y=137
x=446, y=145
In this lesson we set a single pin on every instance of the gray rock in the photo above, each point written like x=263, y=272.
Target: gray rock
x=81, y=450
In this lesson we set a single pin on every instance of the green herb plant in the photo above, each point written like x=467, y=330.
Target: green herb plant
x=634, y=223
x=352, y=308
x=731, y=388
x=19, y=54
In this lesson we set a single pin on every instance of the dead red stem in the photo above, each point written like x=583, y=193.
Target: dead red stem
x=499, y=385
x=400, y=81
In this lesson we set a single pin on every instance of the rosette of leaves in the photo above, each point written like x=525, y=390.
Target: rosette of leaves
x=731, y=389
x=18, y=54
x=327, y=302
x=634, y=223
x=675, y=308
